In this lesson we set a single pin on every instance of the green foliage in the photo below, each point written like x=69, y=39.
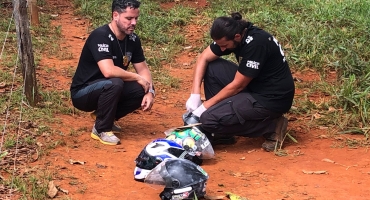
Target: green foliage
x=10, y=142
x=320, y=33
x=354, y=96
x=160, y=27
x=98, y=12
x=35, y=186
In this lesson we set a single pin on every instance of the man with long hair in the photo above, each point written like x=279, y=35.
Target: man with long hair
x=245, y=99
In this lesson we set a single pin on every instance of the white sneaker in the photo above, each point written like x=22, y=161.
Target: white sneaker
x=107, y=138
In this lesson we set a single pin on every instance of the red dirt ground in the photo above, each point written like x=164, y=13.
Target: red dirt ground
x=243, y=168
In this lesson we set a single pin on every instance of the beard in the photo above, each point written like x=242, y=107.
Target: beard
x=127, y=31
x=236, y=44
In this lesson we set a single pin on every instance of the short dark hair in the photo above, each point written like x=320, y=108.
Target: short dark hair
x=228, y=26
x=121, y=5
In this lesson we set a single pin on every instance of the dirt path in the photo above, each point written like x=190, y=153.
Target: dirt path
x=243, y=168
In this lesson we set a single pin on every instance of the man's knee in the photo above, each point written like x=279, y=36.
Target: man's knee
x=115, y=85
x=207, y=123
x=117, y=82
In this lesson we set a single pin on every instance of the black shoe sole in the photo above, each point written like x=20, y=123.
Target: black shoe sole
x=270, y=145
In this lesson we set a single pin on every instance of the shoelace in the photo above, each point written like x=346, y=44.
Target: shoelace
x=110, y=133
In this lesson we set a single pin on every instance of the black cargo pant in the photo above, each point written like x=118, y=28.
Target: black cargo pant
x=111, y=99
x=240, y=114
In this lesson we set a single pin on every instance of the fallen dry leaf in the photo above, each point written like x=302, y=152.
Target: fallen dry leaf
x=79, y=37
x=323, y=136
x=251, y=151
x=76, y=162
x=2, y=85
x=63, y=190
x=328, y=160
x=52, y=190
x=101, y=166
x=332, y=109
x=316, y=116
x=237, y=174
x=323, y=127
x=314, y=172
x=297, y=79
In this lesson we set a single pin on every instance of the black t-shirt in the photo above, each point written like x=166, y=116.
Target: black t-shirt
x=261, y=57
x=102, y=44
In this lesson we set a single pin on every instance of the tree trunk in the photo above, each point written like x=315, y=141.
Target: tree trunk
x=25, y=52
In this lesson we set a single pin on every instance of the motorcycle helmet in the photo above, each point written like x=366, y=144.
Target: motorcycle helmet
x=194, y=141
x=182, y=179
x=155, y=152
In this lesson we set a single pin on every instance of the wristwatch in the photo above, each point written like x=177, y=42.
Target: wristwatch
x=152, y=91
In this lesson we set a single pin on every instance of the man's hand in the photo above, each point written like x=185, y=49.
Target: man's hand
x=144, y=83
x=193, y=102
x=147, y=102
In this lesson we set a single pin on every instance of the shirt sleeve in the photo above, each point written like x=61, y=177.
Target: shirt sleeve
x=138, y=54
x=254, y=56
x=100, y=46
x=217, y=50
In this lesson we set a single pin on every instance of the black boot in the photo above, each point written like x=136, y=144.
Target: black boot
x=275, y=140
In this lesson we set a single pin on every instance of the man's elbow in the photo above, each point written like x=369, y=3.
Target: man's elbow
x=107, y=74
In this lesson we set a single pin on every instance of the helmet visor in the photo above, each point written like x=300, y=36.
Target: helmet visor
x=145, y=161
x=154, y=177
x=192, y=140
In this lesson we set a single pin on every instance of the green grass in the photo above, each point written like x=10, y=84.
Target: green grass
x=26, y=124
x=34, y=186
x=322, y=34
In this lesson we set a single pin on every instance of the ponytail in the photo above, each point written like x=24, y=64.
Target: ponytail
x=228, y=26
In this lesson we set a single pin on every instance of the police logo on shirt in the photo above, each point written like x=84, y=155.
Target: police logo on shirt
x=103, y=48
x=110, y=37
x=132, y=37
x=249, y=39
x=253, y=64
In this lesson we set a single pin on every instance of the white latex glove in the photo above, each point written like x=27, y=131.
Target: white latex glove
x=193, y=102
x=198, y=112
